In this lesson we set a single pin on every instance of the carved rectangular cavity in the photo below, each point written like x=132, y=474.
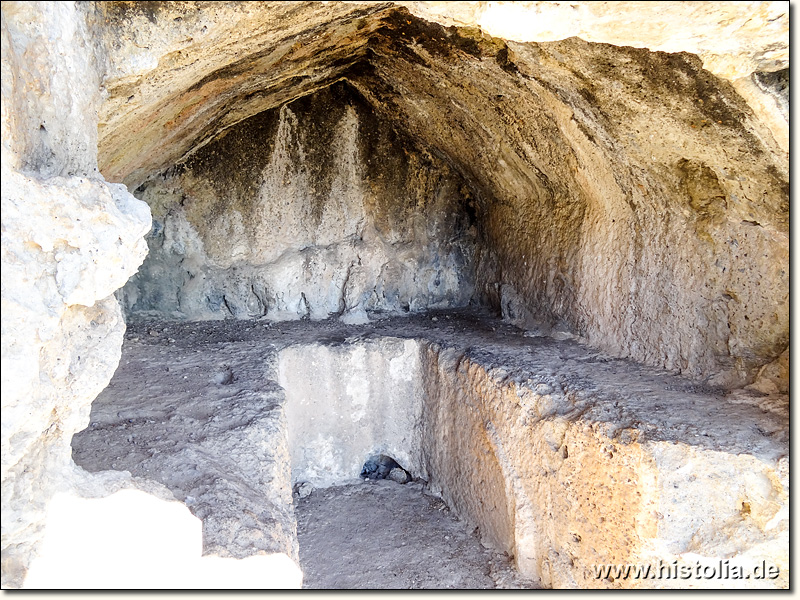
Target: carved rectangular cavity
x=558, y=472
x=562, y=457
x=345, y=403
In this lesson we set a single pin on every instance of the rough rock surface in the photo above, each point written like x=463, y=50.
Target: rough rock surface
x=69, y=240
x=734, y=39
x=563, y=457
x=634, y=200
x=624, y=194
x=588, y=465
x=313, y=210
x=254, y=56
x=221, y=448
x=635, y=197
x=339, y=411
x=737, y=41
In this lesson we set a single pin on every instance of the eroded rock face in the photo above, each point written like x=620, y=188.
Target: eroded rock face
x=242, y=496
x=222, y=63
x=734, y=39
x=575, y=466
x=627, y=196
x=69, y=241
x=317, y=209
x=633, y=198
x=229, y=61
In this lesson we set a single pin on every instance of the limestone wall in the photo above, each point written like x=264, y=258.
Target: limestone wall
x=565, y=459
x=631, y=189
x=628, y=196
x=635, y=197
x=569, y=468
x=69, y=240
x=316, y=209
x=347, y=403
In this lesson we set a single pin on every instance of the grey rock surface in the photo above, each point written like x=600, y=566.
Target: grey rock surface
x=380, y=535
x=311, y=210
x=399, y=475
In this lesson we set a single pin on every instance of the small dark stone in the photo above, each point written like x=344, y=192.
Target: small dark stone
x=379, y=466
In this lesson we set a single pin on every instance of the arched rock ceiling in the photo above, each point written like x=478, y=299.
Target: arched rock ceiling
x=177, y=75
x=632, y=195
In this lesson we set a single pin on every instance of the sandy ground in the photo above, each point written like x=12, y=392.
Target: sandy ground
x=384, y=535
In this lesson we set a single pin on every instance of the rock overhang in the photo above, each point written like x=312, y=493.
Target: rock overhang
x=592, y=222
x=175, y=119
x=581, y=157
x=177, y=97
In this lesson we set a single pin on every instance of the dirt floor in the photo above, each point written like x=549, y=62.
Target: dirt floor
x=384, y=535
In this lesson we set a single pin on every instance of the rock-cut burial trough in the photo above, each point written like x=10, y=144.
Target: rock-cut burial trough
x=562, y=457
x=395, y=294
